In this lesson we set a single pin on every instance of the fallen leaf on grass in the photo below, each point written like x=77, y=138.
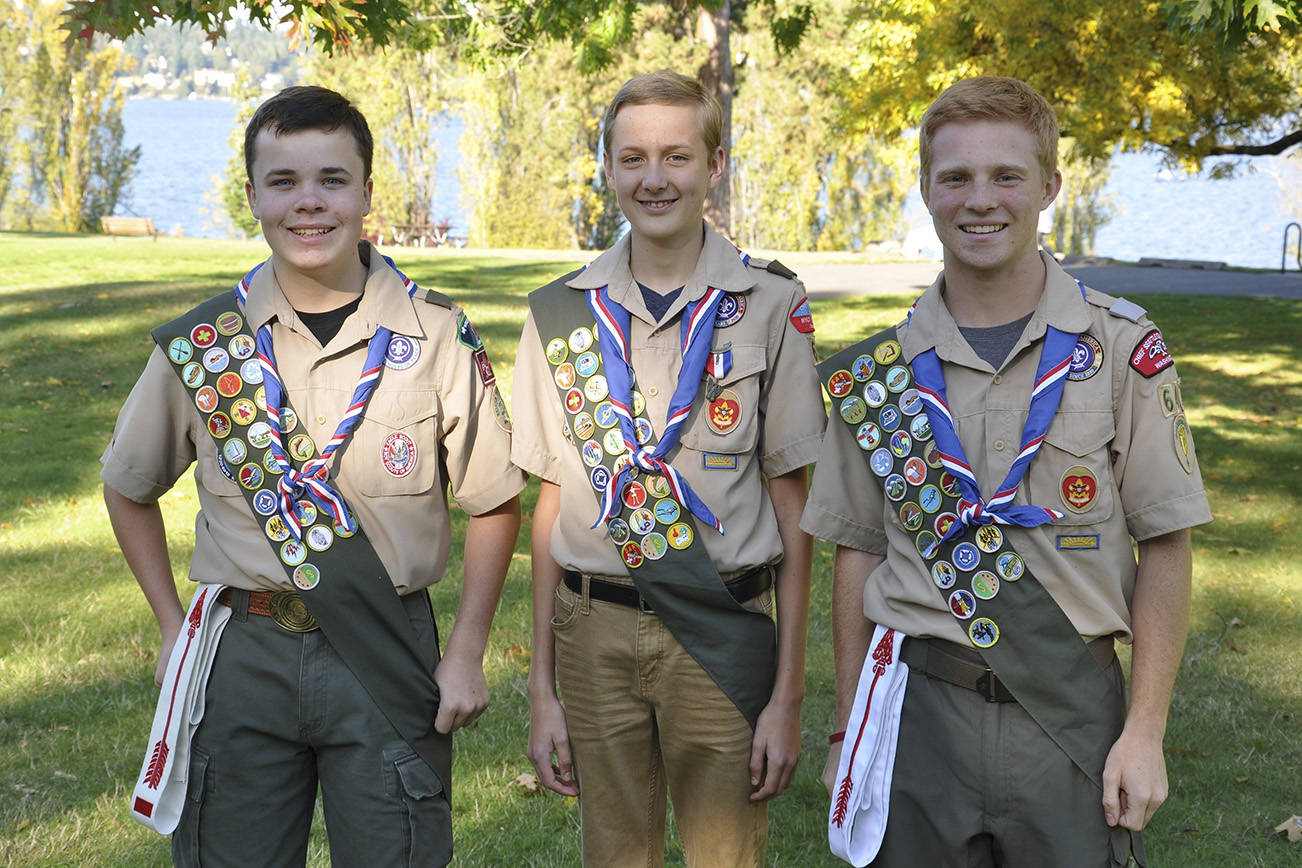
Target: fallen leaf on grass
x=25, y=790
x=1229, y=643
x=513, y=652
x=525, y=784
x=1242, y=780
x=1293, y=827
x=67, y=776
x=1235, y=622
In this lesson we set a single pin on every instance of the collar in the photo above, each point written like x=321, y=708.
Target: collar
x=1061, y=306
x=384, y=301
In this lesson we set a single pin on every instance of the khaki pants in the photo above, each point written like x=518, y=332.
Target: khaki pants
x=643, y=716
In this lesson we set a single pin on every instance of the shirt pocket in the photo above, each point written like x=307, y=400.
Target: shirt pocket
x=734, y=428
x=395, y=449
x=1072, y=472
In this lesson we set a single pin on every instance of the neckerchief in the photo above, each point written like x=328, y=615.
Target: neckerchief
x=1050, y=377
x=312, y=478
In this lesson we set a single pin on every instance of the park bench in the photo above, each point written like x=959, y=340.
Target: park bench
x=128, y=226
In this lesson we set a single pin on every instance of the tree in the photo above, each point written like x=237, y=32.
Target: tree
x=234, y=202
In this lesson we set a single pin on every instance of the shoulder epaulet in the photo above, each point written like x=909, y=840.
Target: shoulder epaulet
x=1126, y=309
x=433, y=297
x=772, y=266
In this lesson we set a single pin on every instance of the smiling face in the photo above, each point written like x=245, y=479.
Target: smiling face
x=985, y=190
x=661, y=171
x=310, y=191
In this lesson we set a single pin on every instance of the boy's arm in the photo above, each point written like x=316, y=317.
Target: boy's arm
x=852, y=633
x=548, y=734
x=775, y=750
x=143, y=539
x=490, y=542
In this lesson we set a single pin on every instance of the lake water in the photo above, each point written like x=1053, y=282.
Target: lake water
x=1239, y=221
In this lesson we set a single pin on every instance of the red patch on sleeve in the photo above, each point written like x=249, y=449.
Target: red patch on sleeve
x=1150, y=355
x=802, y=319
x=485, y=367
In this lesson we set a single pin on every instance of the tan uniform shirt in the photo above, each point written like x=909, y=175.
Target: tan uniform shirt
x=1125, y=430
x=772, y=374
x=440, y=402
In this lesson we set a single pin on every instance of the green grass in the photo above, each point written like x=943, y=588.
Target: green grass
x=78, y=644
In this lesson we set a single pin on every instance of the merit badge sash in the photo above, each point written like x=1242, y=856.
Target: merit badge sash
x=646, y=507
x=340, y=579
x=1025, y=638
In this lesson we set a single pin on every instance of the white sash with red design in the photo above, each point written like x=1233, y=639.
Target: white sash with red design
x=856, y=821
x=159, y=795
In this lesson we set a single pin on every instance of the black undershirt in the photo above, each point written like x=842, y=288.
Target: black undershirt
x=325, y=325
x=657, y=304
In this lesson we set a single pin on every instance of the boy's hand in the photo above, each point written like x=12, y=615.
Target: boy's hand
x=548, y=736
x=463, y=692
x=775, y=750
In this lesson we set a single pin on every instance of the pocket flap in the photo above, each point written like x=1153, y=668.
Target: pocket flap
x=745, y=362
x=418, y=779
x=1081, y=432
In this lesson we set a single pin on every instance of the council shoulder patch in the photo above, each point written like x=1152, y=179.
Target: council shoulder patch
x=466, y=333
x=802, y=318
x=1150, y=356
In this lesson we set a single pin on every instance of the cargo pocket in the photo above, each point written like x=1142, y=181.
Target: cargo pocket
x=427, y=814
x=730, y=425
x=185, y=839
x=1073, y=472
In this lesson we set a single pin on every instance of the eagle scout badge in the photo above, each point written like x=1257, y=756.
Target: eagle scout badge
x=724, y=412
x=398, y=454
x=1086, y=358
x=1182, y=444
x=1079, y=488
x=1150, y=356
x=402, y=353
x=732, y=307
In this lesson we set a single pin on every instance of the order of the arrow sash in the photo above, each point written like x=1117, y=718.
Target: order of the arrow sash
x=1026, y=639
x=654, y=533
x=340, y=578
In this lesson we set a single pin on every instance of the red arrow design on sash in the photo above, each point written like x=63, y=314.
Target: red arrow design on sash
x=881, y=659
x=158, y=759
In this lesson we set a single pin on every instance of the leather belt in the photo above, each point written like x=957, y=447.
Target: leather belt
x=744, y=587
x=964, y=667
x=286, y=608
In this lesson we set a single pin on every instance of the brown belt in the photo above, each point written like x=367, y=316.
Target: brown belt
x=964, y=667
x=744, y=587
x=286, y=608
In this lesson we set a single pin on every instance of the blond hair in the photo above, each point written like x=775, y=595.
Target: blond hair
x=993, y=98
x=666, y=87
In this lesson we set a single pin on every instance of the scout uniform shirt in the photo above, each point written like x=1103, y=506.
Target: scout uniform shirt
x=1118, y=461
x=777, y=427
x=431, y=422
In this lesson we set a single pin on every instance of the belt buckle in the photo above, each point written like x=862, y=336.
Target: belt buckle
x=987, y=686
x=290, y=612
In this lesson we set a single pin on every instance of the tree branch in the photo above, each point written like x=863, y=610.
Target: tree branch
x=1278, y=146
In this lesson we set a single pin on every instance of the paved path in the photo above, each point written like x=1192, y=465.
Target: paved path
x=1127, y=280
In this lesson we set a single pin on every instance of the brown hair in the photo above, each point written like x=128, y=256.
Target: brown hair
x=307, y=107
x=666, y=87
x=993, y=98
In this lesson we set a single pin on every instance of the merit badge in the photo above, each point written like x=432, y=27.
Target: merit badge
x=613, y=441
x=900, y=444
x=293, y=552
x=801, y=317
x=966, y=556
x=1086, y=358
x=251, y=475
x=605, y=415
x=1150, y=356
x=639, y=403
x=886, y=352
x=264, y=502
x=302, y=447
x=654, y=546
x=679, y=535
x=1079, y=488
x=724, y=412
x=580, y=339
x=574, y=400
x=596, y=389
x=260, y=397
x=319, y=537
x=1170, y=398
x=565, y=375
x=584, y=426
x=897, y=379
x=642, y=428
x=242, y=347
x=270, y=464
x=840, y=384
x=911, y=516
x=398, y=454
x=216, y=360
x=642, y=520
x=277, y=530
x=229, y=384
x=989, y=538
x=586, y=364
x=224, y=467
x=229, y=323
x=853, y=410
x=1182, y=445
x=889, y=417
x=251, y=371
x=192, y=374
x=305, y=512
x=732, y=307
x=944, y=522
x=949, y=484
x=234, y=451
x=219, y=425
x=306, y=577
x=869, y=436
x=341, y=531
x=634, y=495
x=910, y=402
x=895, y=487
x=880, y=462
x=206, y=399
x=466, y=333
x=402, y=353
x=557, y=350
x=985, y=584
x=929, y=498
x=931, y=453
x=1009, y=566
x=862, y=368
x=619, y=530
x=962, y=604
x=915, y=470
x=657, y=485
x=983, y=632
x=243, y=411
x=632, y=553
x=259, y=435
x=920, y=428
x=203, y=336
x=288, y=420
x=943, y=574
x=591, y=453
x=599, y=477
x=928, y=545
x=875, y=394
x=485, y=367
x=180, y=351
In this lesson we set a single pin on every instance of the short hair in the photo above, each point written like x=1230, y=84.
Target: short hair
x=666, y=87
x=308, y=107
x=994, y=98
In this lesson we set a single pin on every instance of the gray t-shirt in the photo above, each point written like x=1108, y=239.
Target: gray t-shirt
x=993, y=343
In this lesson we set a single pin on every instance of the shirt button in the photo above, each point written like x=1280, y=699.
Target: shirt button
x=999, y=446
x=653, y=391
x=320, y=420
x=999, y=378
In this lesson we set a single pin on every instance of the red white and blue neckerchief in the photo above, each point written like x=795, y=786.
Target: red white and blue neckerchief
x=696, y=330
x=1050, y=378
x=312, y=479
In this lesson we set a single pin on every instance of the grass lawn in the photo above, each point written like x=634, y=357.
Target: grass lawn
x=78, y=644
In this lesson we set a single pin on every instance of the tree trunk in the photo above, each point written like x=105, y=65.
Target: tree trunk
x=716, y=74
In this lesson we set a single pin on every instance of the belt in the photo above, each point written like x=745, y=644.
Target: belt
x=286, y=608
x=742, y=588
x=964, y=667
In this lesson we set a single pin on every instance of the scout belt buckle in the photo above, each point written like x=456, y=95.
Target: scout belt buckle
x=290, y=612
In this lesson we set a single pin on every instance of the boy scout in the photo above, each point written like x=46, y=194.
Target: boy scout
x=659, y=388
x=333, y=405
x=994, y=458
